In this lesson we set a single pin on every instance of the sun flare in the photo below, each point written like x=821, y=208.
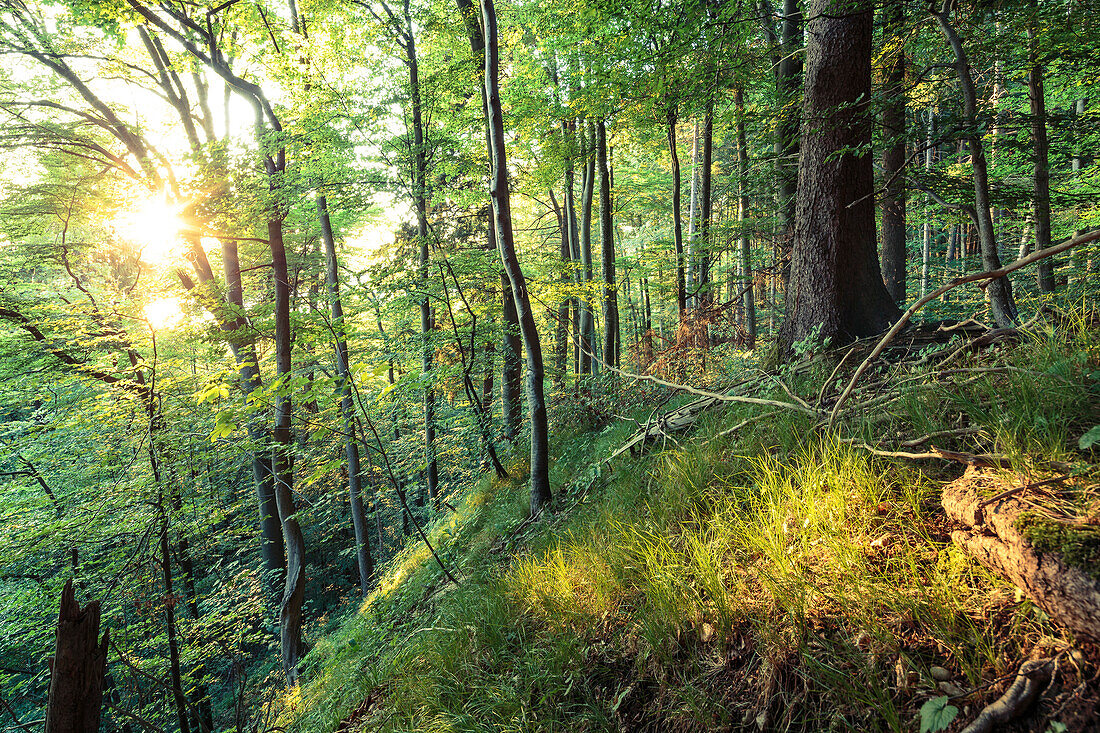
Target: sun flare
x=154, y=225
x=163, y=313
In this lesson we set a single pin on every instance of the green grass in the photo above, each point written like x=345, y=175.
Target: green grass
x=780, y=577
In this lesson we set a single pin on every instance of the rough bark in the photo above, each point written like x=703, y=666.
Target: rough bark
x=502, y=216
x=76, y=668
x=926, y=234
x=836, y=289
x=1067, y=594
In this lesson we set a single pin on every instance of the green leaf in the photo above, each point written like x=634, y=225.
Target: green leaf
x=936, y=715
x=1090, y=438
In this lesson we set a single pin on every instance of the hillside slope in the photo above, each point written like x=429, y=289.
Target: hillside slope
x=756, y=572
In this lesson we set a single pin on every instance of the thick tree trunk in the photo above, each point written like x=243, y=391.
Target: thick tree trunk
x=607, y=254
x=999, y=292
x=677, y=226
x=76, y=668
x=502, y=215
x=836, y=289
x=893, y=158
x=363, y=558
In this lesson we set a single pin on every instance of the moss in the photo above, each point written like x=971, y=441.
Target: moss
x=1079, y=546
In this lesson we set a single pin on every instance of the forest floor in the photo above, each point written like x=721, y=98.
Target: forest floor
x=758, y=569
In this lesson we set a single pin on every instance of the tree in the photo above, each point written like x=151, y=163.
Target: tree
x=836, y=289
x=502, y=216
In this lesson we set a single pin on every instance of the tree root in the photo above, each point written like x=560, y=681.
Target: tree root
x=1030, y=681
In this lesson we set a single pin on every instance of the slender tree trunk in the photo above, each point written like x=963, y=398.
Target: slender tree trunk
x=893, y=159
x=690, y=274
x=502, y=214
x=999, y=292
x=512, y=368
x=363, y=558
x=175, y=675
x=677, y=227
x=588, y=187
x=926, y=238
x=1041, y=149
x=705, y=245
x=788, y=88
x=561, y=327
x=290, y=608
x=748, y=300
x=607, y=252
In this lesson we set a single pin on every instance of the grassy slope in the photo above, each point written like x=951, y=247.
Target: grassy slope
x=776, y=579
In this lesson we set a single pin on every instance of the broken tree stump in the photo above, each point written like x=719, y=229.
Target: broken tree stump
x=1066, y=593
x=77, y=668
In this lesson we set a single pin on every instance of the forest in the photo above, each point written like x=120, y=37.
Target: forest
x=625, y=365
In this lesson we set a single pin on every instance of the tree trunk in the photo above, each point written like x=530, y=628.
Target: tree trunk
x=607, y=252
x=788, y=85
x=502, y=215
x=76, y=668
x=175, y=675
x=588, y=188
x=677, y=226
x=926, y=235
x=999, y=292
x=747, y=299
x=512, y=369
x=690, y=275
x=836, y=288
x=893, y=158
x=1041, y=149
x=290, y=608
x=703, y=285
x=363, y=558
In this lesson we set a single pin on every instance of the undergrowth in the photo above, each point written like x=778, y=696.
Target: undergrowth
x=777, y=578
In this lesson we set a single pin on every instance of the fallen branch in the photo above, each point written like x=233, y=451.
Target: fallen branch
x=988, y=276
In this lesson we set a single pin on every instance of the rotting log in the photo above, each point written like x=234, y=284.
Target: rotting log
x=1067, y=594
x=77, y=668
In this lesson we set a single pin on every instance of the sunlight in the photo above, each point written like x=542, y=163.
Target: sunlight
x=163, y=313
x=153, y=225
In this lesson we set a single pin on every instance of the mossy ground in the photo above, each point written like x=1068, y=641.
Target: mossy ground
x=778, y=578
